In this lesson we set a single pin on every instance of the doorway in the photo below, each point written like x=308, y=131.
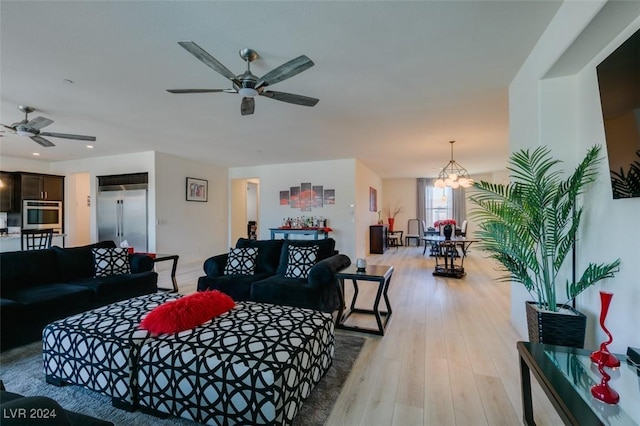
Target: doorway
x=245, y=207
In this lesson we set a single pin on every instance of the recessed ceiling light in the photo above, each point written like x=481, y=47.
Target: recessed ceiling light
x=89, y=146
x=36, y=153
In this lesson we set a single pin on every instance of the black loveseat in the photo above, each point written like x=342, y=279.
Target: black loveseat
x=268, y=283
x=38, y=287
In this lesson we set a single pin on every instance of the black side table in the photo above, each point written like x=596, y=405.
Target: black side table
x=174, y=258
x=374, y=273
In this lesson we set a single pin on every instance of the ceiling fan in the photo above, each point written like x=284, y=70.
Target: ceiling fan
x=247, y=84
x=31, y=129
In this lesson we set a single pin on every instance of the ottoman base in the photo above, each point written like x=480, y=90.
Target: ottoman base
x=254, y=365
x=99, y=349
x=120, y=404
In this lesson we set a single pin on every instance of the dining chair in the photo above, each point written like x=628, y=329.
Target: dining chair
x=462, y=232
x=35, y=239
x=413, y=232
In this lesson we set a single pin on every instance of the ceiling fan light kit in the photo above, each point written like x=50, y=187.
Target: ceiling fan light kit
x=453, y=175
x=247, y=84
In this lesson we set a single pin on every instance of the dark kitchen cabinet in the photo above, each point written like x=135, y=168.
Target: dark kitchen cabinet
x=41, y=187
x=378, y=239
x=8, y=193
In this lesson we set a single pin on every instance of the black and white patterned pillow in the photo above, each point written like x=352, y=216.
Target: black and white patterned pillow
x=241, y=261
x=300, y=260
x=111, y=261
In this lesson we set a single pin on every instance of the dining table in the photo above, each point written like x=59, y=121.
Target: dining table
x=449, y=254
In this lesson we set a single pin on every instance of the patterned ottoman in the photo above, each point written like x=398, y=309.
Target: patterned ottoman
x=98, y=349
x=253, y=365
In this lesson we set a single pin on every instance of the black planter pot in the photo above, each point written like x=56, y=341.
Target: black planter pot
x=556, y=328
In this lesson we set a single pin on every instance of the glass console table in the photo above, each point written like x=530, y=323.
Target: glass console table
x=566, y=376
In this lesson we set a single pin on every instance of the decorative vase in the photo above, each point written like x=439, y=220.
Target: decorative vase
x=603, y=355
x=391, y=222
x=447, y=231
x=603, y=391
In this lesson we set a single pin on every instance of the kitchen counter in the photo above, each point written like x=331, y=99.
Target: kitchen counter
x=11, y=241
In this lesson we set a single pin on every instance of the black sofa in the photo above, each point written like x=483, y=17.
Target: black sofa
x=38, y=287
x=268, y=284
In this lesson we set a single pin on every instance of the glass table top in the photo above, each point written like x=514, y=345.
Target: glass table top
x=578, y=370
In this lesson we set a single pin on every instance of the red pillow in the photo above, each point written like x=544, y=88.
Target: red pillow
x=187, y=312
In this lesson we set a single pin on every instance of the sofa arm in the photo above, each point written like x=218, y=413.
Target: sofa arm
x=214, y=266
x=140, y=263
x=324, y=271
x=323, y=275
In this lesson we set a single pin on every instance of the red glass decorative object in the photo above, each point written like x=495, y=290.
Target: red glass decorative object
x=603, y=391
x=608, y=359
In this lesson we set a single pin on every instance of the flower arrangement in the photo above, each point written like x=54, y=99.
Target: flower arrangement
x=396, y=211
x=443, y=222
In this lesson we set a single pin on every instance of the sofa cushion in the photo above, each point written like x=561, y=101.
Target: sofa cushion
x=236, y=286
x=279, y=290
x=23, y=269
x=269, y=252
x=76, y=263
x=120, y=287
x=300, y=260
x=187, y=312
x=241, y=261
x=111, y=261
x=53, y=301
x=12, y=313
x=326, y=249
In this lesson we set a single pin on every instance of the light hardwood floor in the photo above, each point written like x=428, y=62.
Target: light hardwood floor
x=448, y=356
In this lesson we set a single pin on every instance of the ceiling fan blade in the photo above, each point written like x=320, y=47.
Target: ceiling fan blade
x=8, y=127
x=284, y=71
x=207, y=59
x=291, y=98
x=248, y=105
x=38, y=123
x=199, y=90
x=68, y=136
x=42, y=141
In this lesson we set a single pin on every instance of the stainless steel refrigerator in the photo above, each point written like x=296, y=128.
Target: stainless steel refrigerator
x=122, y=215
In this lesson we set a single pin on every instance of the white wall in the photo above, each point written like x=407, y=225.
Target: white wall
x=564, y=114
x=194, y=230
x=362, y=217
x=403, y=193
x=337, y=174
x=13, y=164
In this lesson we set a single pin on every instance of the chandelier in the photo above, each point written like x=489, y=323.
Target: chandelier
x=453, y=175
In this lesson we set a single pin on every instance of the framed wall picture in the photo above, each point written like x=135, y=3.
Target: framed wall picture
x=373, y=199
x=197, y=190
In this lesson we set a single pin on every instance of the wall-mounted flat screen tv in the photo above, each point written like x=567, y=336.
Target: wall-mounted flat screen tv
x=619, y=82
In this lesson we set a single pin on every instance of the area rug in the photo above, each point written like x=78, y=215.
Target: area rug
x=21, y=371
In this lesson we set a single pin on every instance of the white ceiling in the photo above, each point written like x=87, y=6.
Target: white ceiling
x=396, y=80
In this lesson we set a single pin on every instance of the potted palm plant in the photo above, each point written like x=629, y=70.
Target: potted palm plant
x=529, y=227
